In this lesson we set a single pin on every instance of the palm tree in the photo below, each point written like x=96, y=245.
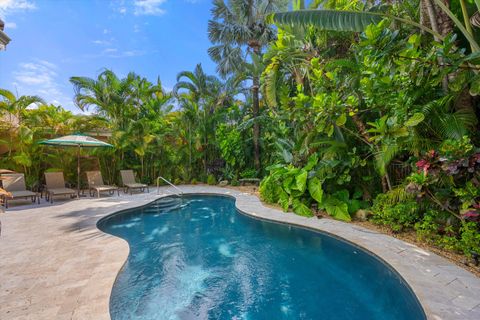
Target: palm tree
x=16, y=107
x=236, y=25
x=108, y=94
x=197, y=83
x=18, y=133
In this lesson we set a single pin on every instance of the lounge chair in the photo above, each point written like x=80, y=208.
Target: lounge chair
x=95, y=184
x=55, y=186
x=14, y=184
x=129, y=183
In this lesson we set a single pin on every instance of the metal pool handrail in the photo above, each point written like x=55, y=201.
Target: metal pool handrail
x=180, y=192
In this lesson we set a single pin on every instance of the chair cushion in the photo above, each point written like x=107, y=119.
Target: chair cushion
x=57, y=191
x=21, y=194
x=136, y=185
x=104, y=188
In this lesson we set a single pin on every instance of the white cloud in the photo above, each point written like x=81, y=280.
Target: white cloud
x=10, y=25
x=116, y=53
x=9, y=6
x=39, y=77
x=119, y=6
x=110, y=50
x=102, y=42
x=148, y=7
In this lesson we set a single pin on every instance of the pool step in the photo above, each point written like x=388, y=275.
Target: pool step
x=169, y=204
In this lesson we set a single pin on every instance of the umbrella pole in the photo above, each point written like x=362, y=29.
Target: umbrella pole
x=78, y=172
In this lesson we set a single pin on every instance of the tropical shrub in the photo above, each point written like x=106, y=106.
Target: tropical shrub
x=398, y=217
x=211, y=180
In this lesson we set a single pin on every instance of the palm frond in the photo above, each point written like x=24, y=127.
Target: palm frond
x=329, y=19
x=336, y=20
x=8, y=95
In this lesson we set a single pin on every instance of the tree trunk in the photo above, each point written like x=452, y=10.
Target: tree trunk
x=205, y=141
x=189, y=153
x=256, y=111
x=361, y=127
x=445, y=24
x=439, y=23
x=362, y=130
x=256, y=125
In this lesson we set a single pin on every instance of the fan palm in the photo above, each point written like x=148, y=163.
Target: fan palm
x=237, y=24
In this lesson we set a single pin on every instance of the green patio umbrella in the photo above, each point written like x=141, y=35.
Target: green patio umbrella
x=78, y=141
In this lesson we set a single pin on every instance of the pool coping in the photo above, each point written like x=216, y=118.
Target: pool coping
x=69, y=271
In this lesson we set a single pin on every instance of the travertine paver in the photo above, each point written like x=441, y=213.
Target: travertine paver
x=55, y=263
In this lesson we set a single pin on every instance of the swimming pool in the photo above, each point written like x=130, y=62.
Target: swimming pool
x=205, y=260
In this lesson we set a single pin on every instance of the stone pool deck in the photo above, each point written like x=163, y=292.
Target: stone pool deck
x=55, y=263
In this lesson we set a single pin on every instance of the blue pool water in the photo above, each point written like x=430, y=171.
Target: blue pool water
x=206, y=260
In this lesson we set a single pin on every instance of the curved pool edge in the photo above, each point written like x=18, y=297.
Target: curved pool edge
x=444, y=290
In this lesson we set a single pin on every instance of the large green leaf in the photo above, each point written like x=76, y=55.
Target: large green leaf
x=415, y=120
x=315, y=189
x=301, y=209
x=288, y=184
x=336, y=208
x=340, y=20
x=301, y=181
x=329, y=19
x=354, y=205
x=283, y=199
x=342, y=195
x=341, y=120
x=312, y=162
x=23, y=159
x=475, y=86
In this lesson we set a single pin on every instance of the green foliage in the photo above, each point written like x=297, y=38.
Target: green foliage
x=234, y=182
x=301, y=209
x=329, y=19
x=464, y=238
x=249, y=173
x=211, y=180
x=315, y=189
x=469, y=241
x=231, y=146
x=400, y=216
x=336, y=208
x=287, y=186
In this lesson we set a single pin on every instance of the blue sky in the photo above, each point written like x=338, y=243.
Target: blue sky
x=53, y=40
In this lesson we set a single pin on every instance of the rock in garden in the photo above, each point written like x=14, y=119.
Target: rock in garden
x=223, y=183
x=361, y=215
